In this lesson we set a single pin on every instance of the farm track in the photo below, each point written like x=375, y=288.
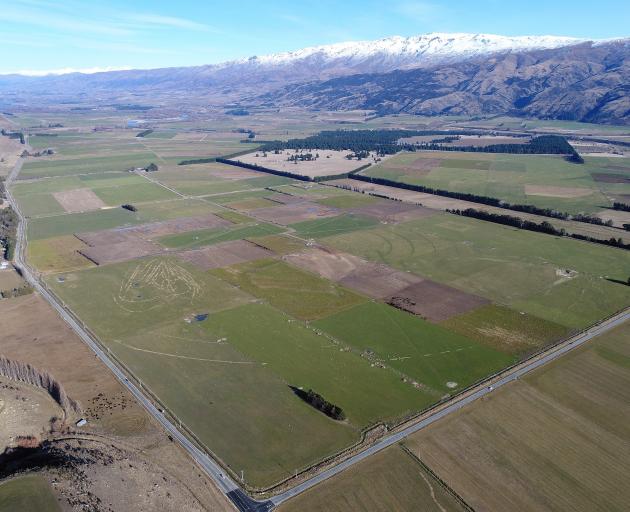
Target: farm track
x=223, y=481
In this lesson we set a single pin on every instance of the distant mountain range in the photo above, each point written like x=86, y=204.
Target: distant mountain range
x=540, y=76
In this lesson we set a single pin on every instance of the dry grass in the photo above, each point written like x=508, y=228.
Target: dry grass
x=32, y=332
x=329, y=162
x=390, y=480
x=556, y=440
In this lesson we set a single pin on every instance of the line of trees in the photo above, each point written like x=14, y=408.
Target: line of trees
x=383, y=142
x=8, y=227
x=318, y=402
x=621, y=206
x=542, y=227
x=291, y=175
x=388, y=142
x=541, y=145
x=14, y=135
x=490, y=201
x=144, y=133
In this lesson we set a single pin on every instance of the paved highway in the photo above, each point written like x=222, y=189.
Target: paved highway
x=223, y=481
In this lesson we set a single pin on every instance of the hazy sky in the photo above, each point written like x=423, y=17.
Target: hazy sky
x=49, y=34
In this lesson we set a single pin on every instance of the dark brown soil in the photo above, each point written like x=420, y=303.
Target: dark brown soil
x=434, y=301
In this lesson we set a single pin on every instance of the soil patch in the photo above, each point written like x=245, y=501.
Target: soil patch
x=78, y=200
x=372, y=279
x=434, y=301
x=329, y=264
x=610, y=178
x=225, y=254
x=379, y=281
x=170, y=227
x=123, y=251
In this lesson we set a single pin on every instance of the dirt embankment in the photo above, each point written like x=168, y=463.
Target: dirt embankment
x=24, y=372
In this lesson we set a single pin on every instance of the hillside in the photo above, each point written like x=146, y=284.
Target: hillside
x=585, y=82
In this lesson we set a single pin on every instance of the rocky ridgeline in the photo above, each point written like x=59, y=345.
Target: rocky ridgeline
x=24, y=372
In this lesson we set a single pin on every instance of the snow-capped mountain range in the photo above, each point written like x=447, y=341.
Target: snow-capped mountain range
x=437, y=73
x=422, y=49
x=385, y=54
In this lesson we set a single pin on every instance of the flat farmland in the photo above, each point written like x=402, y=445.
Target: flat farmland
x=438, y=360
x=83, y=193
x=346, y=223
x=47, y=227
x=228, y=376
x=324, y=163
x=557, y=439
x=87, y=165
x=507, y=330
x=213, y=178
x=389, y=480
x=543, y=181
x=520, y=269
x=57, y=254
x=300, y=294
x=10, y=279
x=201, y=238
x=303, y=358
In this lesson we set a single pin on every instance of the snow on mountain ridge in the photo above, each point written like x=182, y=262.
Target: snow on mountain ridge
x=432, y=46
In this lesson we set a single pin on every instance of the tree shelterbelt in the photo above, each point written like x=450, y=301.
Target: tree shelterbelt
x=389, y=142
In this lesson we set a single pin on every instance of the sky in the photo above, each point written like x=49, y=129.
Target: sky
x=44, y=35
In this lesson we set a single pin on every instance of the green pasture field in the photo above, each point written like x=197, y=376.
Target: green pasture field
x=556, y=439
x=35, y=197
x=252, y=204
x=203, y=237
x=91, y=181
x=301, y=357
x=348, y=201
x=238, y=195
x=57, y=254
x=314, y=190
x=93, y=165
x=47, y=227
x=72, y=146
x=140, y=315
x=236, y=405
x=136, y=295
x=137, y=193
x=280, y=244
x=386, y=481
x=174, y=209
x=507, y=177
x=517, y=268
x=234, y=217
x=39, y=204
x=201, y=184
x=430, y=354
x=515, y=123
x=30, y=492
x=330, y=226
x=300, y=294
x=510, y=331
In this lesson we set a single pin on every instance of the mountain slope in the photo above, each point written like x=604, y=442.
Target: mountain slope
x=585, y=82
x=234, y=78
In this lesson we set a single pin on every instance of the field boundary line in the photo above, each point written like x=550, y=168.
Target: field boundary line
x=437, y=478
